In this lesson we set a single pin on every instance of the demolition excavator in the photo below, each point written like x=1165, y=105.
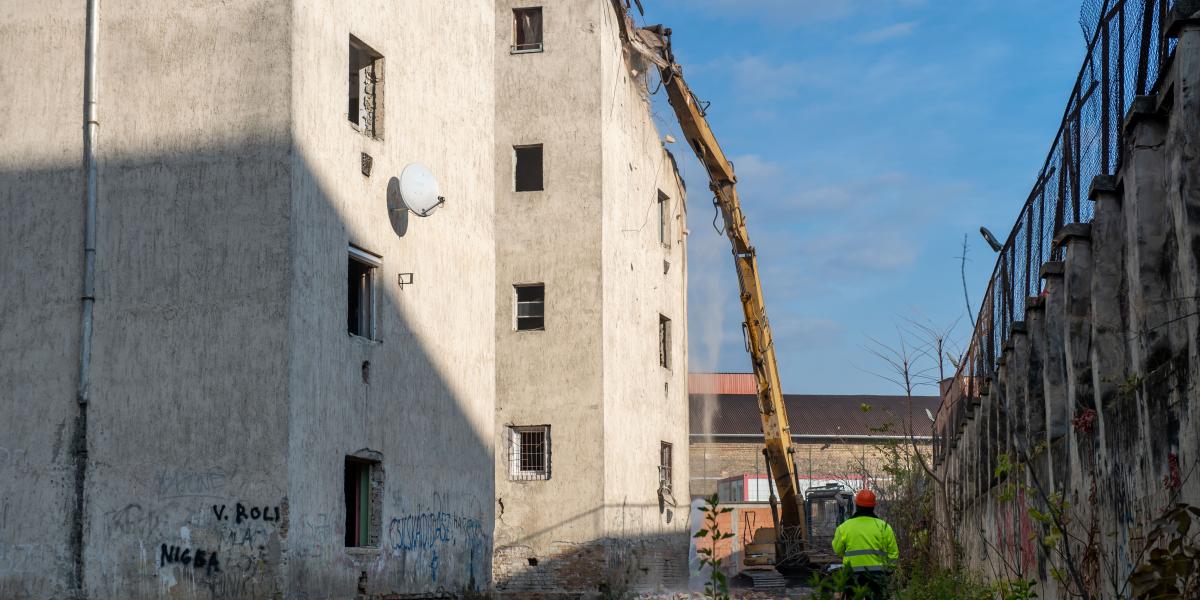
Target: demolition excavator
x=790, y=536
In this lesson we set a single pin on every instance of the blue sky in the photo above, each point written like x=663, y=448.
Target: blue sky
x=869, y=136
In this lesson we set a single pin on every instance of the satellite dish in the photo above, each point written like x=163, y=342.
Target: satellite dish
x=419, y=190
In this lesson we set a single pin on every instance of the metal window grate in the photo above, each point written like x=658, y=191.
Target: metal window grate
x=531, y=306
x=664, y=467
x=664, y=220
x=664, y=342
x=529, y=453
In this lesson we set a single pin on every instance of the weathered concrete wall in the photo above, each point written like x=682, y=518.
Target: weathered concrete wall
x=552, y=377
x=426, y=408
x=593, y=375
x=189, y=354
x=645, y=404
x=40, y=284
x=226, y=392
x=1096, y=392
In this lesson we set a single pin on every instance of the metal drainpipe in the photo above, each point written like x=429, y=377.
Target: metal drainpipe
x=90, y=129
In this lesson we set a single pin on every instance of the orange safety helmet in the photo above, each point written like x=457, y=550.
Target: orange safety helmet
x=865, y=499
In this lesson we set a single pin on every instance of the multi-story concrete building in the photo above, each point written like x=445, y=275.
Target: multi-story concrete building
x=267, y=411
x=591, y=411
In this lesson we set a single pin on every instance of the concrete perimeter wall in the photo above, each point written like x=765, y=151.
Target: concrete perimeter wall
x=1097, y=392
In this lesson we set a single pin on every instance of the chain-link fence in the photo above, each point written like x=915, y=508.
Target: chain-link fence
x=1127, y=50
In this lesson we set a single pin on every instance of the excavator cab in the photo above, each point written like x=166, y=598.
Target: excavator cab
x=825, y=507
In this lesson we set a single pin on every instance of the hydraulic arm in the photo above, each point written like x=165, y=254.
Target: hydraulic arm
x=655, y=43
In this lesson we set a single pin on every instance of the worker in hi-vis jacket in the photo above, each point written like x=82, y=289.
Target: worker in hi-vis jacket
x=867, y=546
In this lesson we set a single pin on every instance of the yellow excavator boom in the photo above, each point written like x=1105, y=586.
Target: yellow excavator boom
x=654, y=43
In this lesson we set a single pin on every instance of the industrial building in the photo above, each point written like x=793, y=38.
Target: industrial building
x=591, y=284
x=836, y=438
x=847, y=441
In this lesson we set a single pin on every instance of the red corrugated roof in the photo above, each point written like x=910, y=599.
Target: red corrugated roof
x=816, y=415
x=721, y=383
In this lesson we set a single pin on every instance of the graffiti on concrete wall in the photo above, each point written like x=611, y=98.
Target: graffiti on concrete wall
x=200, y=559
x=428, y=533
x=242, y=513
x=1015, y=537
x=15, y=460
x=189, y=483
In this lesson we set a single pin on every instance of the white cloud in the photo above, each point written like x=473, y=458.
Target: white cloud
x=806, y=330
x=791, y=12
x=754, y=168
x=866, y=250
x=883, y=34
x=768, y=79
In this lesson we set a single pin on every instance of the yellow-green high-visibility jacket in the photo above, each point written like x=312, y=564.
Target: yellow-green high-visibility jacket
x=865, y=544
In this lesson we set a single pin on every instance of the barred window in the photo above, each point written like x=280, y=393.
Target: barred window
x=664, y=466
x=664, y=342
x=664, y=219
x=531, y=306
x=529, y=452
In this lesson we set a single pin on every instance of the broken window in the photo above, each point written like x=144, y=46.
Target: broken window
x=365, y=107
x=528, y=168
x=363, y=484
x=527, y=29
x=360, y=292
x=664, y=219
x=529, y=452
x=664, y=466
x=531, y=307
x=664, y=341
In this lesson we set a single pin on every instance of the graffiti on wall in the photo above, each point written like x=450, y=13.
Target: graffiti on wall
x=1015, y=537
x=200, y=559
x=428, y=535
x=242, y=513
x=188, y=483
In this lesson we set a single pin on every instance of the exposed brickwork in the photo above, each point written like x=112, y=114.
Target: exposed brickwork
x=570, y=570
x=714, y=461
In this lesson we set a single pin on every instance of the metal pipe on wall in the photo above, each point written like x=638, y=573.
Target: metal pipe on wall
x=91, y=126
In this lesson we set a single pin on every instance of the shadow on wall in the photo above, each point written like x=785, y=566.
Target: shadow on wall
x=227, y=392
x=634, y=562
x=645, y=563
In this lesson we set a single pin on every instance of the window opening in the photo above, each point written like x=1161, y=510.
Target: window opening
x=531, y=307
x=365, y=103
x=664, y=220
x=664, y=466
x=363, y=516
x=664, y=341
x=528, y=168
x=360, y=293
x=529, y=452
x=527, y=29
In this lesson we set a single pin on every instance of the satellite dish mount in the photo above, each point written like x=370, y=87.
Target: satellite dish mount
x=419, y=190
